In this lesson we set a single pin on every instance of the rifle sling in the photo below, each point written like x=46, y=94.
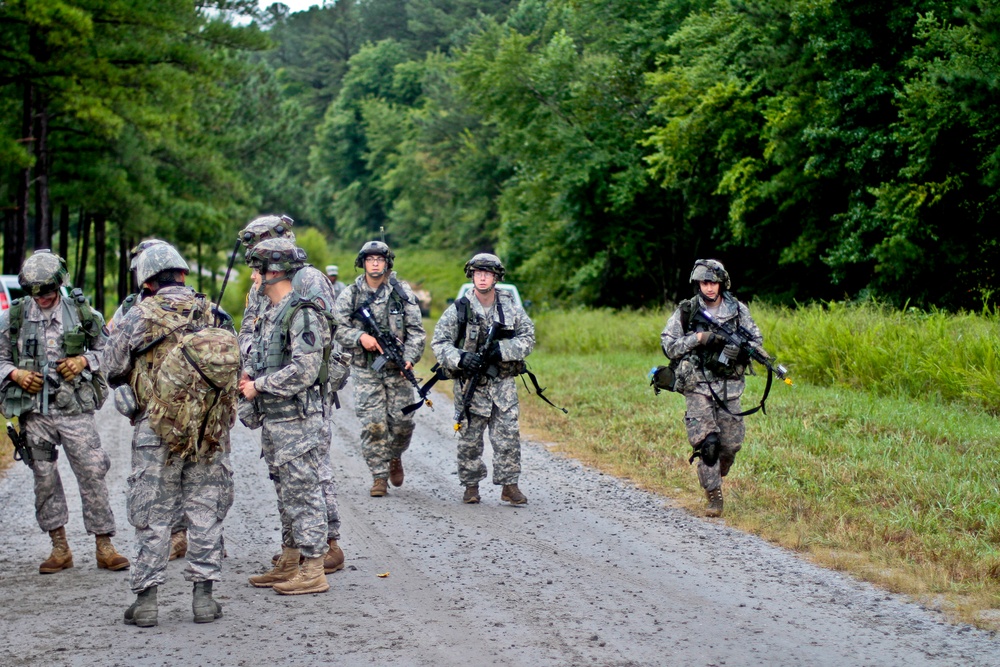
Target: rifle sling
x=763, y=399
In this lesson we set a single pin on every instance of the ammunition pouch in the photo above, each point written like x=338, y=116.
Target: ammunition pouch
x=15, y=401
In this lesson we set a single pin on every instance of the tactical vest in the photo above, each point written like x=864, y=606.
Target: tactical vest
x=275, y=353
x=167, y=321
x=706, y=357
x=81, y=327
x=396, y=317
x=472, y=331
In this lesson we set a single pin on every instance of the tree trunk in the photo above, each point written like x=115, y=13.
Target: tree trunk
x=84, y=246
x=199, y=266
x=10, y=264
x=64, y=231
x=123, y=273
x=43, y=216
x=100, y=225
x=19, y=241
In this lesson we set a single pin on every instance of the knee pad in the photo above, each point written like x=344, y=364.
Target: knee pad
x=708, y=449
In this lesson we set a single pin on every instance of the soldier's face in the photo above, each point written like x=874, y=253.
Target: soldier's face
x=709, y=290
x=46, y=301
x=483, y=280
x=375, y=265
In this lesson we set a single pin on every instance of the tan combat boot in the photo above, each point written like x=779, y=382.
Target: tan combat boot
x=380, y=487
x=107, y=557
x=471, y=495
x=334, y=559
x=178, y=544
x=61, y=558
x=286, y=568
x=309, y=579
x=511, y=494
x=396, y=472
x=714, y=507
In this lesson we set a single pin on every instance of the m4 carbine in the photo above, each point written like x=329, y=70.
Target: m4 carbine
x=392, y=351
x=743, y=339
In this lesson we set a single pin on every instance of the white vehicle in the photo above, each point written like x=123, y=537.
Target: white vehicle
x=465, y=289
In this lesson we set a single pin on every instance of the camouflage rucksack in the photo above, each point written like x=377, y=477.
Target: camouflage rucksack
x=193, y=404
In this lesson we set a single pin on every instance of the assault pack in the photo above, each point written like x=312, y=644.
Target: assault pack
x=185, y=375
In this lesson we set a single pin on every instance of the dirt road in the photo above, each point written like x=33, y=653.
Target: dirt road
x=591, y=572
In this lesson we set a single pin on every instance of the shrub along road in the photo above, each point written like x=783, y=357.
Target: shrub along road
x=591, y=571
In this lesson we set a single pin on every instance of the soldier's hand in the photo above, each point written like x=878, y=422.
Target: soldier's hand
x=470, y=361
x=711, y=339
x=731, y=352
x=369, y=343
x=70, y=367
x=247, y=388
x=29, y=381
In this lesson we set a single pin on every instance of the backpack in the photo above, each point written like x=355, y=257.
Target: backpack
x=193, y=403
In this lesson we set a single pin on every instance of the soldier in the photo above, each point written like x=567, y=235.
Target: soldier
x=711, y=388
x=159, y=482
x=333, y=273
x=286, y=385
x=459, y=343
x=312, y=285
x=125, y=401
x=380, y=395
x=50, y=362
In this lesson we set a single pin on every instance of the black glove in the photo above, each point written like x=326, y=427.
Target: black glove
x=731, y=352
x=470, y=361
x=493, y=354
x=714, y=340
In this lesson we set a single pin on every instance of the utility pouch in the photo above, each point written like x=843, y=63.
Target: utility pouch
x=15, y=401
x=663, y=378
x=74, y=342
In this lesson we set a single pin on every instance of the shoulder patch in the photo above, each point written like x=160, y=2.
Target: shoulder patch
x=309, y=337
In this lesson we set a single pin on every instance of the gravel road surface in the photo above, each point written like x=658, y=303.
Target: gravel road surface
x=591, y=572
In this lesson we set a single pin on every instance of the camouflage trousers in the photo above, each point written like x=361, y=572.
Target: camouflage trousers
x=379, y=400
x=505, y=438
x=330, y=496
x=159, y=485
x=90, y=463
x=300, y=482
x=703, y=417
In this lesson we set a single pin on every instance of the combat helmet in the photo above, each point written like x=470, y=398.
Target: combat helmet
x=484, y=261
x=140, y=248
x=156, y=258
x=266, y=227
x=374, y=248
x=276, y=255
x=42, y=273
x=711, y=270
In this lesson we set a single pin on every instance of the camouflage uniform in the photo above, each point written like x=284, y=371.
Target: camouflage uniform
x=296, y=434
x=68, y=419
x=309, y=283
x=159, y=483
x=381, y=395
x=704, y=416
x=494, y=405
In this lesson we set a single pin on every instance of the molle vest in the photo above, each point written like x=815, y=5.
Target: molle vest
x=275, y=353
x=81, y=328
x=472, y=331
x=394, y=312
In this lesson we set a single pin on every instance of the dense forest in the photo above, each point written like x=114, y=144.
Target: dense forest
x=822, y=149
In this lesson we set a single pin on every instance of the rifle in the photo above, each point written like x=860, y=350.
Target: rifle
x=463, y=409
x=21, y=450
x=217, y=311
x=392, y=351
x=743, y=339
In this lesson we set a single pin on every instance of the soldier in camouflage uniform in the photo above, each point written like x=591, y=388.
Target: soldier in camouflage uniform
x=125, y=401
x=333, y=273
x=714, y=427
x=459, y=344
x=286, y=384
x=159, y=482
x=53, y=380
x=309, y=283
x=380, y=395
